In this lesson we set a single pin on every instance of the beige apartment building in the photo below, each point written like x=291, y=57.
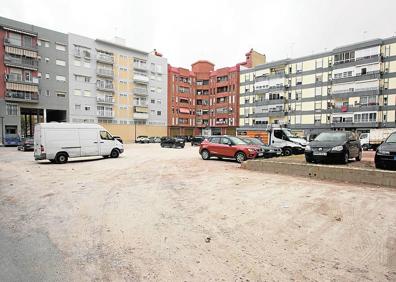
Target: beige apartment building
x=351, y=87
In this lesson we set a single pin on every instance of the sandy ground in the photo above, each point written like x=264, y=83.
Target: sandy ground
x=166, y=215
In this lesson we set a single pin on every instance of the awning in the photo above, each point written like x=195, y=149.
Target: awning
x=184, y=111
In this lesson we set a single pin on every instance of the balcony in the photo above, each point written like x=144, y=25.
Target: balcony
x=140, y=91
x=20, y=44
x=105, y=72
x=17, y=78
x=105, y=58
x=138, y=66
x=140, y=109
x=22, y=62
x=105, y=100
x=18, y=96
x=140, y=115
x=140, y=79
x=105, y=114
x=105, y=87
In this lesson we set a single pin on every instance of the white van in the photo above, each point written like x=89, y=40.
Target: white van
x=59, y=141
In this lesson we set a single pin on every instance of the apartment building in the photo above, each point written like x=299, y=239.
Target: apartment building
x=351, y=87
x=205, y=101
x=34, y=86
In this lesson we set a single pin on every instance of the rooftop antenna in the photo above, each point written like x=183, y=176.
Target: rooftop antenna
x=364, y=34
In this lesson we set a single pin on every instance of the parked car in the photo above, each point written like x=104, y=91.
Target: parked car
x=385, y=156
x=155, y=139
x=11, y=139
x=228, y=147
x=26, y=144
x=197, y=140
x=142, y=139
x=118, y=138
x=334, y=146
x=57, y=142
x=268, y=151
x=172, y=142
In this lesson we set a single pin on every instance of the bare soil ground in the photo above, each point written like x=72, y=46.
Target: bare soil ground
x=166, y=215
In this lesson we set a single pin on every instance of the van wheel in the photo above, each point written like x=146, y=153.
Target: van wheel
x=287, y=152
x=61, y=158
x=240, y=157
x=114, y=153
x=359, y=157
x=205, y=155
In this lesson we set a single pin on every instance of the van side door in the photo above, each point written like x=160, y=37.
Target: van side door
x=106, y=143
x=89, y=141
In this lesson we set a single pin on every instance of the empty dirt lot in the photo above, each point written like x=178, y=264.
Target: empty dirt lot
x=166, y=215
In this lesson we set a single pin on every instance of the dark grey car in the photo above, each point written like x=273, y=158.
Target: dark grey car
x=385, y=156
x=338, y=146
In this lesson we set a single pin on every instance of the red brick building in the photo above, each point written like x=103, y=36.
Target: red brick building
x=205, y=101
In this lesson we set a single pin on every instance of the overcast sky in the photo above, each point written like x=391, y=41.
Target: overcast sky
x=217, y=30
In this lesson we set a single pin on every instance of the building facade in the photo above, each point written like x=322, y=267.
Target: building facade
x=34, y=84
x=351, y=87
x=205, y=101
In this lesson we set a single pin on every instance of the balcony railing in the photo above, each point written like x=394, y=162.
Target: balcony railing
x=104, y=58
x=106, y=114
x=22, y=96
x=140, y=115
x=18, y=78
x=140, y=66
x=140, y=91
x=105, y=100
x=21, y=62
x=105, y=87
x=20, y=44
x=140, y=78
x=105, y=72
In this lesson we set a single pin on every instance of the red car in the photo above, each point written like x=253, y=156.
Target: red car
x=228, y=147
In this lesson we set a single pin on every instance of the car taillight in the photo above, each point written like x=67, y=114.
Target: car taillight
x=41, y=148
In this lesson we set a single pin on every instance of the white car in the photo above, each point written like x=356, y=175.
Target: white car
x=142, y=139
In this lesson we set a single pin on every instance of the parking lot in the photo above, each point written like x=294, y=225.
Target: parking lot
x=159, y=214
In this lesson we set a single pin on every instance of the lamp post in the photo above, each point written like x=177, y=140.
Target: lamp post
x=2, y=130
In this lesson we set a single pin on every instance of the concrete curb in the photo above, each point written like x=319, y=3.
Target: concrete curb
x=328, y=172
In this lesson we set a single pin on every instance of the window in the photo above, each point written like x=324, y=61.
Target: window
x=152, y=101
x=77, y=92
x=47, y=76
x=87, y=107
x=319, y=63
x=46, y=44
x=158, y=113
x=215, y=140
x=299, y=80
x=60, y=47
x=39, y=74
x=77, y=107
x=60, y=94
x=123, y=94
x=47, y=93
x=87, y=64
x=152, y=112
x=104, y=135
x=61, y=63
x=12, y=109
x=299, y=67
x=158, y=101
x=158, y=68
x=60, y=78
x=87, y=93
x=82, y=78
x=225, y=141
x=38, y=42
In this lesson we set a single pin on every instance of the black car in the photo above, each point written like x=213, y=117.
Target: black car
x=268, y=151
x=385, y=156
x=197, y=140
x=339, y=146
x=172, y=142
x=26, y=144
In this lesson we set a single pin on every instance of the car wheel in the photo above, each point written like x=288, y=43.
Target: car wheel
x=240, y=157
x=365, y=147
x=114, y=153
x=205, y=155
x=346, y=158
x=182, y=146
x=359, y=157
x=162, y=145
x=287, y=152
x=61, y=158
